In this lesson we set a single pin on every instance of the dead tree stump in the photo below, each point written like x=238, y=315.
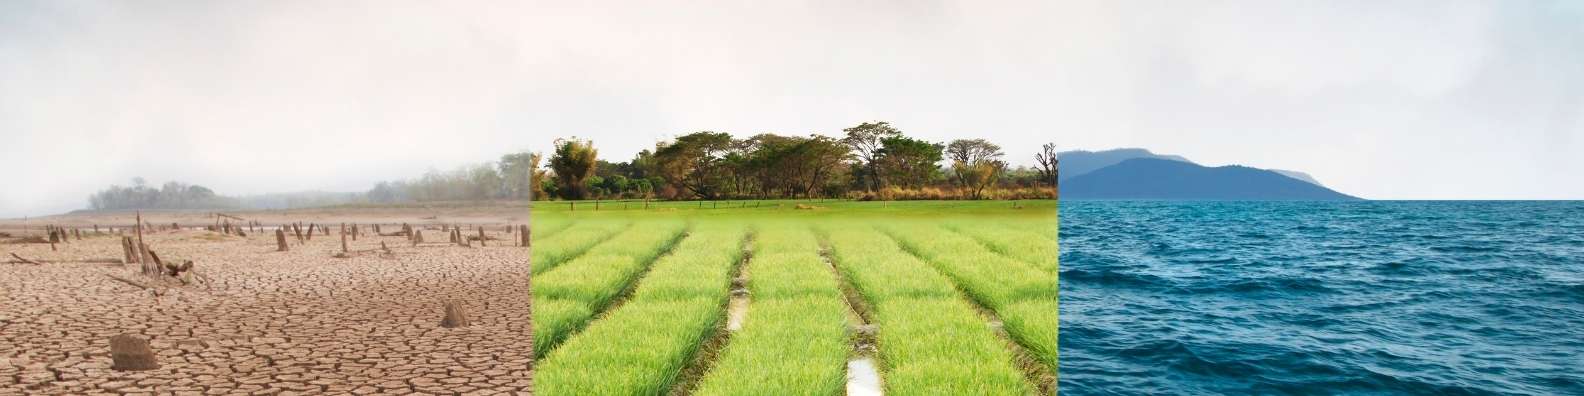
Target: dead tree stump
x=522, y=233
x=131, y=353
x=280, y=241
x=456, y=315
x=481, y=237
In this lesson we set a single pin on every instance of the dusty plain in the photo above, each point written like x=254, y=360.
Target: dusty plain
x=267, y=322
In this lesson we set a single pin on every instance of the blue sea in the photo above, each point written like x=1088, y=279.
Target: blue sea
x=1443, y=298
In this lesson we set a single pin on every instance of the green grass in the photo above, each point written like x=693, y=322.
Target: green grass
x=559, y=247
x=929, y=343
x=1029, y=246
x=921, y=267
x=998, y=282
x=549, y=228
x=592, y=281
x=641, y=347
x=637, y=350
x=791, y=346
x=794, y=338
x=941, y=347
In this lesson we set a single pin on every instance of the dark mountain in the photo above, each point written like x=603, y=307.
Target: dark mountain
x=1077, y=163
x=1150, y=178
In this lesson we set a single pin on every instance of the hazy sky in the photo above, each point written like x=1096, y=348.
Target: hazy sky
x=1435, y=99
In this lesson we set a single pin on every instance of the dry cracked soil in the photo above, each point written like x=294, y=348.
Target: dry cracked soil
x=268, y=322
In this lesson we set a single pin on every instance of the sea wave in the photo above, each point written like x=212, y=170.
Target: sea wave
x=1322, y=298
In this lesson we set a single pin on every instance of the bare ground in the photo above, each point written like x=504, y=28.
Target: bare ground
x=270, y=322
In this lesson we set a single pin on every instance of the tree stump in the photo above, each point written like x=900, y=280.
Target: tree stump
x=522, y=232
x=481, y=237
x=126, y=250
x=131, y=353
x=456, y=315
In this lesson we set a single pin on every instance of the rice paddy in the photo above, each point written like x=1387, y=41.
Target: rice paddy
x=739, y=298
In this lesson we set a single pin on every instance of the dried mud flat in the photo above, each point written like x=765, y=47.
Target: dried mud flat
x=295, y=322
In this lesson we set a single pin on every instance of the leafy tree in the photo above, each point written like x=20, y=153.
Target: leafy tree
x=909, y=162
x=540, y=177
x=976, y=164
x=693, y=162
x=574, y=160
x=516, y=173
x=866, y=141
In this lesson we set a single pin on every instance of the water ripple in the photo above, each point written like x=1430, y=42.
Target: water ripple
x=1445, y=298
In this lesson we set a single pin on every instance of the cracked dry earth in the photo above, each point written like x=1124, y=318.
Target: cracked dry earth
x=297, y=322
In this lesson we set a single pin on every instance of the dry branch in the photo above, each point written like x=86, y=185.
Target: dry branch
x=24, y=261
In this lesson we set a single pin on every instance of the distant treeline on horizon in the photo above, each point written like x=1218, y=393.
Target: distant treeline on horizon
x=872, y=161
x=177, y=195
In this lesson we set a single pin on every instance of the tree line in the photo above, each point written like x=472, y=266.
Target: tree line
x=869, y=161
x=872, y=160
x=172, y=195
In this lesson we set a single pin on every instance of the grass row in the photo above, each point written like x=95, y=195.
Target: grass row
x=1022, y=295
x=548, y=228
x=930, y=340
x=567, y=297
x=557, y=248
x=794, y=340
x=641, y=347
x=1024, y=245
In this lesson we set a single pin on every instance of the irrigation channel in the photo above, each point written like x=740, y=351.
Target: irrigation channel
x=821, y=302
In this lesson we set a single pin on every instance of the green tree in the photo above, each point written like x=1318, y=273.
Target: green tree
x=909, y=162
x=866, y=141
x=693, y=162
x=573, y=161
x=976, y=164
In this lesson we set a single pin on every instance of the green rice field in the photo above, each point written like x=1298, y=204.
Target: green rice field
x=795, y=298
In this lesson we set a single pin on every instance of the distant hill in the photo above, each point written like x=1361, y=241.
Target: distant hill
x=1298, y=175
x=1079, y=162
x=1152, y=178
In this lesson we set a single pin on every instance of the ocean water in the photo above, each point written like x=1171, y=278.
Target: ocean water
x=1441, y=298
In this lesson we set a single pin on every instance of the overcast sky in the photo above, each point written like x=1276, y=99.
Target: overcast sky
x=1394, y=100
